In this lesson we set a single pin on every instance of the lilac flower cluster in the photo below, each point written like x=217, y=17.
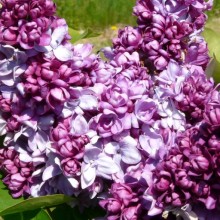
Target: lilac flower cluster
x=189, y=173
x=138, y=132
x=167, y=30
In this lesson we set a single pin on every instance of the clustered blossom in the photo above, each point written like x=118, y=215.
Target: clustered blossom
x=189, y=173
x=19, y=173
x=167, y=30
x=138, y=132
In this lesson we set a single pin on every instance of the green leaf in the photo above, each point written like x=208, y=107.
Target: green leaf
x=79, y=35
x=65, y=212
x=212, y=37
x=34, y=203
x=89, y=33
x=6, y=199
x=17, y=216
x=39, y=214
x=42, y=215
x=75, y=34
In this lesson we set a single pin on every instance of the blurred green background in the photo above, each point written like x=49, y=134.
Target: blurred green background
x=96, y=14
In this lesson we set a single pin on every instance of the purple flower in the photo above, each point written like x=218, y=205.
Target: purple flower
x=186, y=173
x=129, y=38
x=106, y=124
x=145, y=110
x=66, y=142
x=96, y=163
x=71, y=167
x=31, y=33
x=125, y=150
x=20, y=11
x=159, y=56
x=122, y=192
x=40, y=8
x=115, y=98
x=18, y=178
x=197, y=52
x=12, y=64
x=140, y=127
x=122, y=203
x=8, y=35
x=102, y=73
x=212, y=109
x=7, y=18
x=170, y=80
x=112, y=205
x=56, y=97
x=151, y=142
x=131, y=213
x=143, y=12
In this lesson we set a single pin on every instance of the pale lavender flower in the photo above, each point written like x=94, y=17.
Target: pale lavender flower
x=145, y=110
x=170, y=81
x=96, y=163
x=115, y=97
x=171, y=117
x=12, y=64
x=125, y=150
x=151, y=142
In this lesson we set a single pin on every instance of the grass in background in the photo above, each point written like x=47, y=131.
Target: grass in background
x=96, y=14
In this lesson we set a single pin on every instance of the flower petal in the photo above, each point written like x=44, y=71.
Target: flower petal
x=62, y=53
x=88, y=102
x=88, y=175
x=129, y=152
x=79, y=125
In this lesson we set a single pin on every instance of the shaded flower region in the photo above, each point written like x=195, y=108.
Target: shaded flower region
x=137, y=133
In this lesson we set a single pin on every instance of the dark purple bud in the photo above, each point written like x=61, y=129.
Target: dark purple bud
x=174, y=199
x=112, y=205
x=200, y=164
x=40, y=8
x=129, y=38
x=9, y=35
x=201, y=189
x=71, y=167
x=21, y=11
x=5, y=104
x=122, y=192
x=163, y=182
x=9, y=166
x=182, y=179
x=7, y=18
x=131, y=213
x=212, y=115
x=142, y=12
